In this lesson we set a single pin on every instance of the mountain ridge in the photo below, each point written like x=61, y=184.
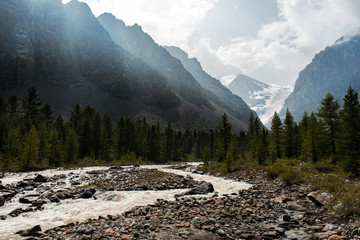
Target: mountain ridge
x=332, y=70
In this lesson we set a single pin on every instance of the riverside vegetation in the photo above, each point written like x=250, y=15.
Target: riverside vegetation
x=323, y=149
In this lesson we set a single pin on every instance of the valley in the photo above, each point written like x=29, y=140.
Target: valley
x=233, y=209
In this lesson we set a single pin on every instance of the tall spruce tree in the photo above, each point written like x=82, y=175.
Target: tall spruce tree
x=30, y=154
x=275, y=144
x=107, y=137
x=14, y=108
x=31, y=105
x=168, y=144
x=97, y=135
x=71, y=147
x=253, y=135
x=224, y=137
x=4, y=123
x=350, y=137
x=76, y=119
x=329, y=114
x=289, y=135
x=46, y=114
x=310, y=146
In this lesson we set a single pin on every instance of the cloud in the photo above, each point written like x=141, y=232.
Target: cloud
x=168, y=22
x=282, y=48
x=276, y=52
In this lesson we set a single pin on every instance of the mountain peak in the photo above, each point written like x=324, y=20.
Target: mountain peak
x=332, y=70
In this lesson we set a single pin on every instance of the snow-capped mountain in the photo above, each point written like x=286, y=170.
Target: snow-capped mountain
x=332, y=70
x=261, y=97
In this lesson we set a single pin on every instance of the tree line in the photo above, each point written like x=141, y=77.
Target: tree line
x=32, y=137
x=333, y=132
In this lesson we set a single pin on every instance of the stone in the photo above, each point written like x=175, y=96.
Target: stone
x=337, y=237
x=324, y=235
x=29, y=198
x=320, y=199
x=286, y=218
x=32, y=232
x=294, y=206
x=40, y=178
x=196, y=234
x=88, y=193
x=2, y=201
x=329, y=227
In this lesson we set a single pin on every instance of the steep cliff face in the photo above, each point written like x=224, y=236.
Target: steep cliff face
x=141, y=45
x=332, y=70
x=215, y=91
x=70, y=58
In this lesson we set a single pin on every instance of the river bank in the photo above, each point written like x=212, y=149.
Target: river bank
x=267, y=209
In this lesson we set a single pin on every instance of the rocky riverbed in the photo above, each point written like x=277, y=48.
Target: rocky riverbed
x=268, y=210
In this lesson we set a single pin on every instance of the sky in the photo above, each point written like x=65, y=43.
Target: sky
x=269, y=40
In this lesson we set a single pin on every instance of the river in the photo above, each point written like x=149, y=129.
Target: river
x=103, y=204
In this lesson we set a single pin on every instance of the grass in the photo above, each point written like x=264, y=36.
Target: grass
x=324, y=176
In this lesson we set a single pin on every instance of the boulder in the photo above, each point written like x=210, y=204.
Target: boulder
x=196, y=234
x=40, y=178
x=29, y=198
x=88, y=193
x=2, y=201
x=203, y=188
x=294, y=206
x=320, y=199
x=32, y=232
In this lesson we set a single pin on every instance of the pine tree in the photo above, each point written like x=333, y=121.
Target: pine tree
x=86, y=144
x=229, y=161
x=60, y=127
x=120, y=138
x=46, y=114
x=97, y=135
x=30, y=154
x=12, y=146
x=14, y=108
x=262, y=149
x=4, y=124
x=206, y=157
x=329, y=114
x=56, y=150
x=350, y=137
x=289, y=135
x=155, y=143
x=71, y=147
x=107, y=137
x=76, y=119
x=168, y=144
x=44, y=146
x=224, y=137
x=31, y=104
x=276, y=127
x=310, y=149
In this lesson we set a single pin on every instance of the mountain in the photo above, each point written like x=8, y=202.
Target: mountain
x=66, y=53
x=263, y=98
x=332, y=70
x=215, y=91
x=190, y=81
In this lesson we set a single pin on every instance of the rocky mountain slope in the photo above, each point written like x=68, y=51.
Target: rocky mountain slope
x=332, y=70
x=195, y=87
x=263, y=98
x=216, y=92
x=66, y=53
